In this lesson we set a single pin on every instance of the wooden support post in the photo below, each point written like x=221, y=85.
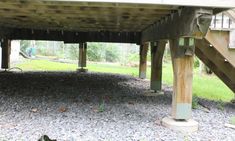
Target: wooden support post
x=182, y=51
x=143, y=60
x=157, y=51
x=6, y=51
x=84, y=57
x=80, y=59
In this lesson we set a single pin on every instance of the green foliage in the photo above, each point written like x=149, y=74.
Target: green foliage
x=72, y=51
x=111, y=54
x=196, y=62
x=220, y=105
x=102, y=107
x=232, y=120
x=24, y=45
x=95, y=52
x=195, y=101
x=134, y=57
x=102, y=52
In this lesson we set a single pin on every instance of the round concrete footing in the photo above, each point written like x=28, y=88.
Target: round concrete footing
x=187, y=126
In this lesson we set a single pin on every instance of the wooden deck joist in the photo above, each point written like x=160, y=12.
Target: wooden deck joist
x=188, y=22
x=156, y=19
x=71, y=36
x=202, y=3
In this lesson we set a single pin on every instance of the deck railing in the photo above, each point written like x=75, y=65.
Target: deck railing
x=221, y=22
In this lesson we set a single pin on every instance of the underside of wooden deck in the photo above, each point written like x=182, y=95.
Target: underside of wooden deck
x=184, y=23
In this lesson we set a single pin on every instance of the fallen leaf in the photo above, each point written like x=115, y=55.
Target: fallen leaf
x=63, y=109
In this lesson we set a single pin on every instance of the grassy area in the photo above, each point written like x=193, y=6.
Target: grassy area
x=208, y=87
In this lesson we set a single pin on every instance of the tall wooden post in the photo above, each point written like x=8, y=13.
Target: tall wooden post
x=80, y=58
x=84, y=56
x=6, y=50
x=143, y=60
x=157, y=52
x=182, y=51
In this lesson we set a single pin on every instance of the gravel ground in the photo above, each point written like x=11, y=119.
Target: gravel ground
x=95, y=106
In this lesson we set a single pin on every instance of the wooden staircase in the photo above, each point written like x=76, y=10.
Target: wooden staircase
x=214, y=51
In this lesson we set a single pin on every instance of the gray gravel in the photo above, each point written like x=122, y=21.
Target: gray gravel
x=95, y=106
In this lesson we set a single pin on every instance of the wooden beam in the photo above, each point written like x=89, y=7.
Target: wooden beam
x=215, y=60
x=80, y=58
x=202, y=3
x=220, y=41
x=187, y=22
x=183, y=75
x=84, y=57
x=6, y=50
x=70, y=36
x=157, y=52
x=143, y=60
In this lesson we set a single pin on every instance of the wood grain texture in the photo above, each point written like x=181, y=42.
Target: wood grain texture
x=70, y=36
x=80, y=16
x=157, y=52
x=220, y=41
x=80, y=58
x=214, y=57
x=182, y=84
x=89, y=15
x=84, y=55
x=6, y=50
x=189, y=22
x=143, y=60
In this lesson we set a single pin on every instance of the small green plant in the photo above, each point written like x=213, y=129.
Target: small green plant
x=232, y=120
x=102, y=107
x=186, y=138
x=195, y=104
x=133, y=74
x=220, y=105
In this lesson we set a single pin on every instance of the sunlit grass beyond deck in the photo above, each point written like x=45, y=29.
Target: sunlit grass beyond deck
x=209, y=87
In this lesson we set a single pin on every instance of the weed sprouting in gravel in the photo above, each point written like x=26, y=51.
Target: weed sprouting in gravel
x=195, y=101
x=102, y=106
x=220, y=105
x=232, y=120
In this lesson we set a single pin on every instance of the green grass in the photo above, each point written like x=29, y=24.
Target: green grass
x=208, y=87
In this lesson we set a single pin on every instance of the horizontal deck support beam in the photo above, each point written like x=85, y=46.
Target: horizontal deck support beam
x=70, y=36
x=187, y=22
x=202, y=3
